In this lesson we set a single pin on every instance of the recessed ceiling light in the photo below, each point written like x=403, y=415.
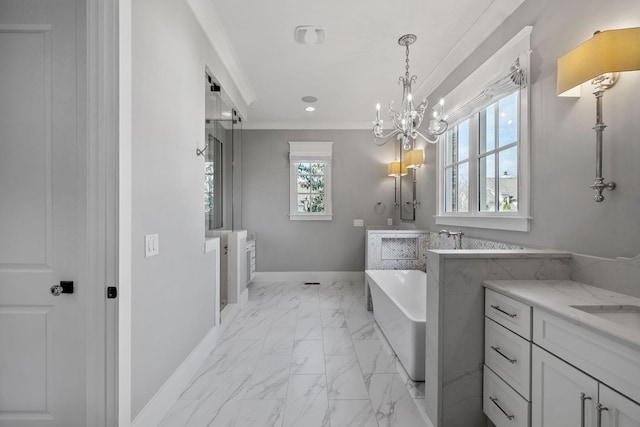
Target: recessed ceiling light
x=309, y=99
x=309, y=108
x=226, y=114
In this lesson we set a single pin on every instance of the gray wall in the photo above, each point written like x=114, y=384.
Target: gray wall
x=172, y=293
x=562, y=142
x=359, y=181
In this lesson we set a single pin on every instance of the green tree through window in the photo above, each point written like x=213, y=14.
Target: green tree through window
x=311, y=187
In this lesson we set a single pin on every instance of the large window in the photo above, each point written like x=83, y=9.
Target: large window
x=486, y=145
x=483, y=157
x=310, y=181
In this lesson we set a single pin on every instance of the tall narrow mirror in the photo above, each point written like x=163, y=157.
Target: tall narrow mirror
x=213, y=178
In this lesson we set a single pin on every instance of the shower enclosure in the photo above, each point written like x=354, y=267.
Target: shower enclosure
x=222, y=176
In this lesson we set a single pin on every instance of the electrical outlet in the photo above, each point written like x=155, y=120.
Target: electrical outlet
x=389, y=221
x=151, y=245
x=358, y=223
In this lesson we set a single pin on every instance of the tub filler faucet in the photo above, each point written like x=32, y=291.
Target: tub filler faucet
x=457, y=237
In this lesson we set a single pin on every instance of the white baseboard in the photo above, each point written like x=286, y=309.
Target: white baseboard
x=155, y=410
x=309, y=276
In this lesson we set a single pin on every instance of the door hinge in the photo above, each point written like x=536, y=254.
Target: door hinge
x=112, y=292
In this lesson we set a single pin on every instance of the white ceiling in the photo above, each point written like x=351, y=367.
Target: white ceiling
x=360, y=61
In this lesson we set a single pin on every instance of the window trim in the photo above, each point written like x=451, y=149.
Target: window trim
x=518, y=47
x=310, y=152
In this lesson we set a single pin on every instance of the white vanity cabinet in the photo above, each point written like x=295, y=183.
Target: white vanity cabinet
x=561, y=394
x=565, y=396
x=617, y=410
x=570, y=370
x=507, y=360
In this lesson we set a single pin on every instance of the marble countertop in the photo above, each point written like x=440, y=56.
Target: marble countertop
x=558, y=297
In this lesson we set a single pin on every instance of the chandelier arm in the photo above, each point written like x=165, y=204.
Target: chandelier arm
x=431, y=138
x=385, y=138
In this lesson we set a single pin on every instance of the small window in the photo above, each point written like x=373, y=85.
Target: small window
x=310, y=176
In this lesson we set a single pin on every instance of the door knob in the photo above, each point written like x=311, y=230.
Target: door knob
x=64, y=287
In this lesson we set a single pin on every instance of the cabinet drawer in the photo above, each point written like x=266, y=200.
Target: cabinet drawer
x=511, y=314
x=509, y=356
x=503, y=406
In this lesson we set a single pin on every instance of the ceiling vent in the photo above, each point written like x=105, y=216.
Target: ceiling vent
x=307, y=34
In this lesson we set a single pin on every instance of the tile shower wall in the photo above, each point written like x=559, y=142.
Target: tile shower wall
x=407, y=249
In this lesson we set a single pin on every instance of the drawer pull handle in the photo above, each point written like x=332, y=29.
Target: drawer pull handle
x=497, y=350
x=583, y=397
x=506, y=414
x=600, y=408
x=497, y=307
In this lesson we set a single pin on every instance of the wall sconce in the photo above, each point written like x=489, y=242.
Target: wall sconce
x=414, y=158
x=396, y=169
x=599, y=59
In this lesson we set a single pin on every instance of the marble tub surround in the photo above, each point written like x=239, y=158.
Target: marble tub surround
x=299, y=355
x=406, y=249
x=559, y=296
x=455, y=323
x=619, y=274
x=396, y=249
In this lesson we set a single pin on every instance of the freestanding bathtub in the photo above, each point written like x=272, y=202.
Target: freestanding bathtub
x=399, y=300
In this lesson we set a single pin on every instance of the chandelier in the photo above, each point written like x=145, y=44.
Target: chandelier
x=407, y=120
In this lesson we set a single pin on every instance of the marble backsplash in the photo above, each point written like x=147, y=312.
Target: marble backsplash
x=619, y=274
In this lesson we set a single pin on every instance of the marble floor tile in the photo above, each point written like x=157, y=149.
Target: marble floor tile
x=344, y=378
x=285, y=317
x=337, y=342
x=309, y=309
x=392, y=403
x=373, y=357
x=221, y=405
x=361, y=328
x=270, y=378
x=352, y=413
x=179, y=414
x=308, y=357
x=279, y=341
x=333, y=318
x=261, y=373
x=233, y=356
x=309, y=328
x=307, y=403
x=261, y=413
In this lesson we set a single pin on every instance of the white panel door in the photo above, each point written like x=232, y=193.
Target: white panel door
x=617, y=410
x=560, y=394
x=42, y=336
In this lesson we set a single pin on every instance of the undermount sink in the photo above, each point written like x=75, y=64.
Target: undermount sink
x=626, y=315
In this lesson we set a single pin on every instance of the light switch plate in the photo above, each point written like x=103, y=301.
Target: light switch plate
x=151, y=245
x=358, y=223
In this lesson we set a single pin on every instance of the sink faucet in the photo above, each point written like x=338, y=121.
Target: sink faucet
x=457, y=237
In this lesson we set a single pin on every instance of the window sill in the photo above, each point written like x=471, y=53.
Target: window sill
x=310, y=217
x=509, y=223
